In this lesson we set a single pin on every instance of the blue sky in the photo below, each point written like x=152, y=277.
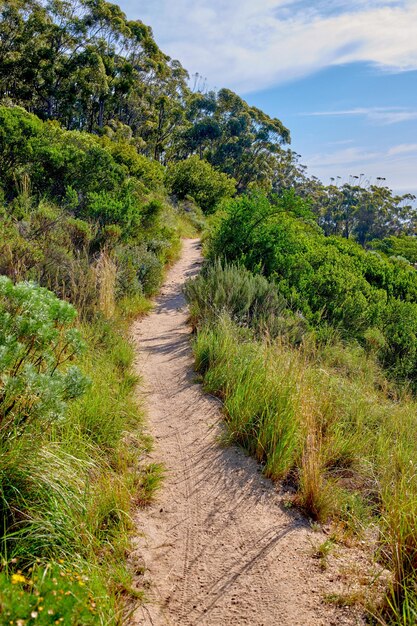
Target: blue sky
x=341, y=75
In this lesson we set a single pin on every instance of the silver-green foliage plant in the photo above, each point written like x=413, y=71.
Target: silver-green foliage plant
x=248, y=299
x=38, y=342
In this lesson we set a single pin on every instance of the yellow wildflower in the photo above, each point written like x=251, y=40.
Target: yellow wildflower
x=18, y=578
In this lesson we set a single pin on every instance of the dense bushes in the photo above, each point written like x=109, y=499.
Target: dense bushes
x=403, y=248
x=75, y=168
x=198, y=179
x=330, y=281
x=69, y=197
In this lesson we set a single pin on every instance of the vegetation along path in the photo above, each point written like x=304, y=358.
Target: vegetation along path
x=219, y=547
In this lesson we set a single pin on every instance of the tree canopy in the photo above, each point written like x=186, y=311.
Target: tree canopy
x=84, y=64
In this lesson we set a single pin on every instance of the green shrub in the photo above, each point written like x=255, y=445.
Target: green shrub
x=18, y=129
x=330, y=281
x=37, y=338
x=404, y=246
x=263, y=237
x=249, y=300
x=198, y=179
x=100, y=179
x=149, y=171
x=400, y=329
x=108, y=209
x=139, y=270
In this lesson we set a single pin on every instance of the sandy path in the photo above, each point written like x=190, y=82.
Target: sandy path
x=218, y=546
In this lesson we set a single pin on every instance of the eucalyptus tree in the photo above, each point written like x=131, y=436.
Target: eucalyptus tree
x=364, y=212
x=356, y=209
x=82, y=62
x=237, y=139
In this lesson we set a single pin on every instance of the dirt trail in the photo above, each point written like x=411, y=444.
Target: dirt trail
x=218, y=545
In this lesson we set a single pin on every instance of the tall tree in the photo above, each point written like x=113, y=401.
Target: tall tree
x=234, y=137
x=82, y=62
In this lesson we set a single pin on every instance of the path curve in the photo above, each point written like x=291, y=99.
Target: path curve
x=219, y=548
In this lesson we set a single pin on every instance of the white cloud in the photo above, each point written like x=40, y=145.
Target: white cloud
x=403, y=148
x=379, y=115
x=398, y=165
x=340, y=142
x=251, y=44
x=348, y=156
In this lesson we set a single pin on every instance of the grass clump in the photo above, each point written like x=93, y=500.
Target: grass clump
x=242, y=373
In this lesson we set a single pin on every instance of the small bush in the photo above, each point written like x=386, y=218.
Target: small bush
x=37, y=338
x=139, y=270
x=248, y=299
x=198, y=179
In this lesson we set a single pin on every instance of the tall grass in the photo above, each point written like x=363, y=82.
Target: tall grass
x=67, y=493
x=261, y=413
x=106, y=274
x=322, y=415
x=67, y=488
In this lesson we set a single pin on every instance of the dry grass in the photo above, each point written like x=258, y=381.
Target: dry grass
x=106, y=271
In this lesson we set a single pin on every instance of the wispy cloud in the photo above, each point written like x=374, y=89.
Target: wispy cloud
x=252, y=44
x=340, y=142
x=380, y=115
x=403, y=148
x=398, y=164
x=348, y=156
